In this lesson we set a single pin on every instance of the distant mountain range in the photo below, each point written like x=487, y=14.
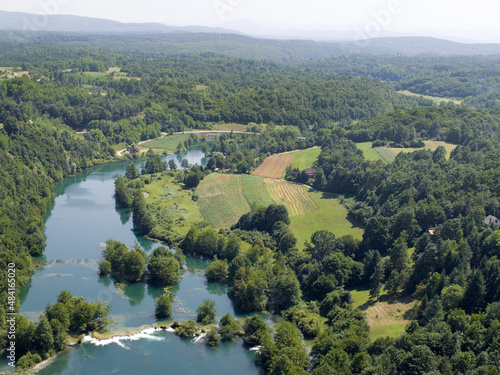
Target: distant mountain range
x=393, y=43
x=68, y=23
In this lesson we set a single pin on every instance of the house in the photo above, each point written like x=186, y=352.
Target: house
x=492, y=220
x=311, y=172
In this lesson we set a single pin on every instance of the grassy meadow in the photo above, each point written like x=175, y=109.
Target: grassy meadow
x=168, y=143
x=223, y=198
x=305, y=158
x=330, y=215
x=173, y=208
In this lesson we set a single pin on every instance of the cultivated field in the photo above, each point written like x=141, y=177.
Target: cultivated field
x=168, y=143
x=293, y=196
x=368, y=151
x=231, y=127
x=305, y=158
x=435, y=99
x=255, y=191
x=331, y=215
x=274, y=166
x=223, y=198
x=431, y=145
x=386, y=153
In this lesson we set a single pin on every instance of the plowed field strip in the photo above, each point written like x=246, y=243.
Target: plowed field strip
x=293, y=196
x=274, y=166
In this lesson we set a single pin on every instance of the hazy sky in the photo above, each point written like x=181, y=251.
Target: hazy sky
x=430, y=14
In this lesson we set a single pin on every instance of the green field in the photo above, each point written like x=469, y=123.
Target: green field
x=332, y=215
x=173, y=208
x=387, y=331
x=223, y=198
x=386, y=318
x=231, y=127
x=431, y=145
x=255, y=191
x=387, y=154
x=305, y=158
x=168, y=143
x=360, y=296
x=435, y=99
x=368, y=151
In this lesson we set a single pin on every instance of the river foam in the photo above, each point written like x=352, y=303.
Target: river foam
x=146, y=333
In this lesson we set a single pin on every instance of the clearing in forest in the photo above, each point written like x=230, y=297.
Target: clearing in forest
x=231, y=127
x=388, y=154
x=293, y=196
x=435, y=99
x=331, y=215
x=368, y=151
x=167, y=143
x=223, y=198
x=274, y=166
x=431, y=145
x=386, y=318
x=303, y=159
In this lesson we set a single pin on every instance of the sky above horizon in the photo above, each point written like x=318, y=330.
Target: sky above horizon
x=398, y=15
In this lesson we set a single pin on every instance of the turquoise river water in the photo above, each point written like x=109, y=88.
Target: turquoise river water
x=82, y=218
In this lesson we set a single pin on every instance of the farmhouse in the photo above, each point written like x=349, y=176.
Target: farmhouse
x=311, y=172
x=492, y=220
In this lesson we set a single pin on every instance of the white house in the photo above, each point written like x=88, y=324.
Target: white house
x=492, y=220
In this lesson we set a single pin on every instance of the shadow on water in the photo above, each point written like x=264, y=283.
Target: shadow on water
x=217, y=288
x=124, y=214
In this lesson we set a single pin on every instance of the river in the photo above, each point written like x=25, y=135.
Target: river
x=81, y=219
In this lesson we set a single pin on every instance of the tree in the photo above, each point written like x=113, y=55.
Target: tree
x=319, y=180
x=11, y=125
x=285, y=291
x=242, y=167
x=206, y=312
x=229, y=328
x=163, y=268
x=185, y=164
x=213, y=337
x=376, y=235
x=376, y=279
x=452, y=296
x=141, y=216
x=322, y=244
x=475, y=291
x=399, y=254
x=439, y=154
x=104, y=267
x=287, y=242
x=255, y=330
x=204, y=148
x=163, y=306
x=288, y=341
x=132, y=172
x=172, y=165
x=43, y=339
x=217, y=270
x=134, y=265
x=122, y=193
x=186, y=329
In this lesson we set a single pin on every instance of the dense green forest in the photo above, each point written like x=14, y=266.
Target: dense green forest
x=331, y=101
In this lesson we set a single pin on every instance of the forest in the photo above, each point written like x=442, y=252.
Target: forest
x=425, y=235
